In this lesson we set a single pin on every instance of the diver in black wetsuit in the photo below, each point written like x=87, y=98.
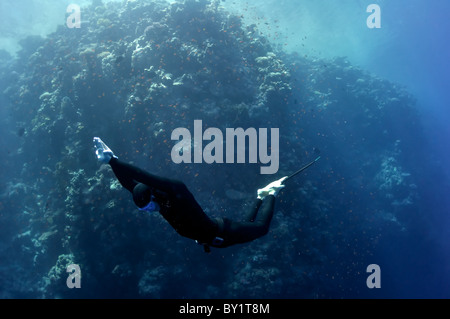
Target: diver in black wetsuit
x=178, y=206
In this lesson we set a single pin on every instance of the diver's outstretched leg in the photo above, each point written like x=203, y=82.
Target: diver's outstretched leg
x=242, y=232
x=265, y=213
x=103, y=152
x=253, y=211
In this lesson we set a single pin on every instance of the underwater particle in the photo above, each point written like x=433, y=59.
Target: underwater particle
x=119, y=59
x=111, y=204
x=21, y=131
x=236, y=195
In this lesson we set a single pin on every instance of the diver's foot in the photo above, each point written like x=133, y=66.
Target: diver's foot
x=103, y=152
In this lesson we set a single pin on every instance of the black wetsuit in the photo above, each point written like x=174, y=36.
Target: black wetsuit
x=179, y=207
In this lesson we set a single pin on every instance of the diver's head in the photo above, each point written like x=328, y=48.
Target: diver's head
x=142, y=195
x=143, y=198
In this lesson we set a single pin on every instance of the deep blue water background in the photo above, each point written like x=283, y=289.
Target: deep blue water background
x=411, y=48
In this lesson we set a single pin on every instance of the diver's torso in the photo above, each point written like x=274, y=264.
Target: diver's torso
x=189, y=220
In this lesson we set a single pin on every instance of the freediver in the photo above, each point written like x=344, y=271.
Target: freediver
x=178, y=206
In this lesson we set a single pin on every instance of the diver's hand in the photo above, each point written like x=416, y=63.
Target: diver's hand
x=271, y=189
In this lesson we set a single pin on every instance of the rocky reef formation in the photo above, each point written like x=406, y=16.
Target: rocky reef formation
x=131, y=74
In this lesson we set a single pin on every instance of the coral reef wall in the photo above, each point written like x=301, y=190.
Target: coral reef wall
x=133, y=73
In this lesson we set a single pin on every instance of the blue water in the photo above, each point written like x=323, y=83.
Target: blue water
x=410, y=50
